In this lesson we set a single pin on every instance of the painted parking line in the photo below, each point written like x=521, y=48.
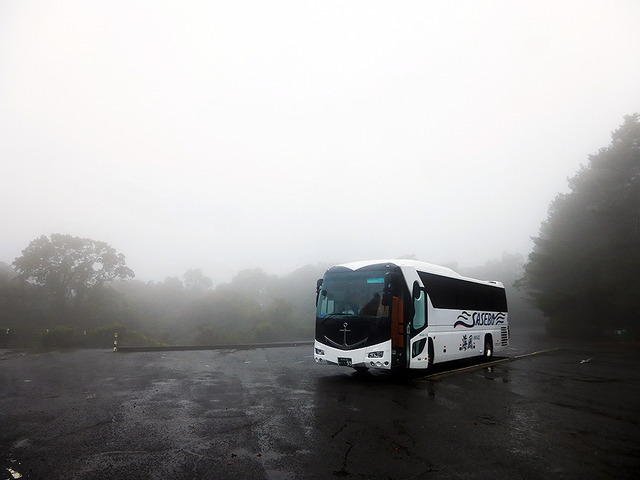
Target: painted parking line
x=436, y=376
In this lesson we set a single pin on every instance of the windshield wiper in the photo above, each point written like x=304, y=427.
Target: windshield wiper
x=344, y=314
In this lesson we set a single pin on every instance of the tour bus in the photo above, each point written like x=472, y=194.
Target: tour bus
x=390, y=314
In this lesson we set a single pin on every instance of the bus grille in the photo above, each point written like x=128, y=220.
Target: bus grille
x=504, y=336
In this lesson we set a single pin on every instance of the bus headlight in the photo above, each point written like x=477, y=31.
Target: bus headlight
x=379, y=354
x=319, y=351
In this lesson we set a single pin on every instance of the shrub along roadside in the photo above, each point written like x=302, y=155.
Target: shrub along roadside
x=62, y=337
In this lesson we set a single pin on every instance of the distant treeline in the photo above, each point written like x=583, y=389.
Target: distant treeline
x=253, y=307
x=52, y=309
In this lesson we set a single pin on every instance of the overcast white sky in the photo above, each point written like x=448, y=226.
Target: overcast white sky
x=226, y=135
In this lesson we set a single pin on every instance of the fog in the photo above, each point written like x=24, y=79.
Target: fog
x=232, y=135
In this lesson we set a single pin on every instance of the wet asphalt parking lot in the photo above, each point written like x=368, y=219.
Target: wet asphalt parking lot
x=572, y=412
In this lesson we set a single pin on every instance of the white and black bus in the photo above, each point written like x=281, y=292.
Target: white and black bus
x=406, y=314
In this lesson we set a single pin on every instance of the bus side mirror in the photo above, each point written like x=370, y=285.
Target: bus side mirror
x=391, y=282
x=386, y=299
x=318, y=285
x=416, y=290
x=391, y=286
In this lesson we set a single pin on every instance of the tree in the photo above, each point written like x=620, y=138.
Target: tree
x=67, y=267
x=584, y=270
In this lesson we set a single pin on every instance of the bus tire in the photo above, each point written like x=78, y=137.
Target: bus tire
x=430, y=353
x=488, y=347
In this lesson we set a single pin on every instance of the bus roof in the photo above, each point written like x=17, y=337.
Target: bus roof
x=419, y=266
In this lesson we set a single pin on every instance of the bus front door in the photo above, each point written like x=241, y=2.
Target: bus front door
x=416, y=333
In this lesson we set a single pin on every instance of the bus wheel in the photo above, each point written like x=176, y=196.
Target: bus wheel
x=430, y=353
x=488, y=347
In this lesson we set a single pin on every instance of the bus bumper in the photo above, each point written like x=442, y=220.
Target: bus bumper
x=375, y=356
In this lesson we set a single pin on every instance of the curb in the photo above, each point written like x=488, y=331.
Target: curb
x=186, y=348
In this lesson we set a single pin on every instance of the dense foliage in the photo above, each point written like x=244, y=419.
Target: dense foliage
x=584, y=270
x=66, y=291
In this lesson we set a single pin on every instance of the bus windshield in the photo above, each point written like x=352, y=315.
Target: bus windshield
x=352, y=294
